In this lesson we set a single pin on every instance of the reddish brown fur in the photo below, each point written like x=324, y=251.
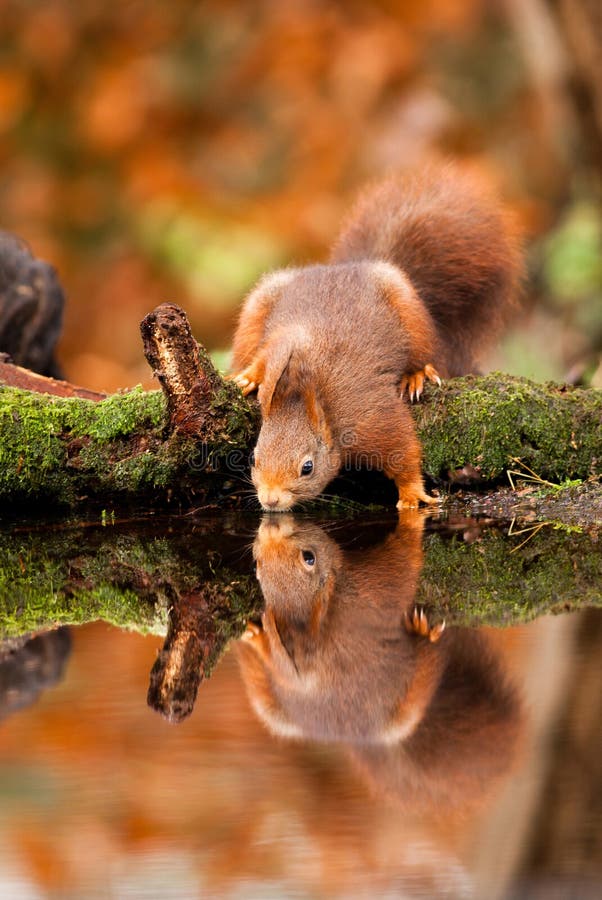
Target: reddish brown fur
x=458, y=246
x=421, y=277
x=469, y=737
x=333, y=637
x=333, y=662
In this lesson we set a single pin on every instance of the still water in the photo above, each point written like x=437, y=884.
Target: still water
x=336, y=750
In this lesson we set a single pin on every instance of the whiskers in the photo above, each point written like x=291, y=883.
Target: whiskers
x=247, y=490
x=334, y=501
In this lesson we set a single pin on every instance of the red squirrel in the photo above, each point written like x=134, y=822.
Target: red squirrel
x=343, y=655
x=418, y=284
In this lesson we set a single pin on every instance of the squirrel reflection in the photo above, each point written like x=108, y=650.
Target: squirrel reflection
x=343, y=655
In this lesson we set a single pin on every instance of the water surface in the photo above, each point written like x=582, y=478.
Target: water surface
x=330, y=754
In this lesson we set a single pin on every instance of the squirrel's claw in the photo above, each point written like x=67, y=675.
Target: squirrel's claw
x=432, y=374
x=255, y=636
x=413, y=382
x=252, y=631
x=417, y=622
x=245, y=381
x=413, y=494
x=436, y=632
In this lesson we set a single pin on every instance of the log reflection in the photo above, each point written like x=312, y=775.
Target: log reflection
x=192, y=645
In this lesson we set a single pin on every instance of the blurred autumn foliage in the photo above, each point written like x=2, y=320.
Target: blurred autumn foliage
x=160, y=151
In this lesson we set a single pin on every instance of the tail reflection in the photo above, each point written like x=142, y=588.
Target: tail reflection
x=341, y=657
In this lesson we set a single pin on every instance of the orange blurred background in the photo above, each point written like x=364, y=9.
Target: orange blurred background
x=174, y=151
x=103, y=798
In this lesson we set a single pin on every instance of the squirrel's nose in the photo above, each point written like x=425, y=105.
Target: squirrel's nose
x=273, y=499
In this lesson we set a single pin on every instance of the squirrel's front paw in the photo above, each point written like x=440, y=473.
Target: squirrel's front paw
x=417, y=622
x=413, y=382
x=252, y=631
x=247, y=380
x=255, y=637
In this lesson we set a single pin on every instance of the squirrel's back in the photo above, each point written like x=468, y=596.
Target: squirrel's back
x=447, y=231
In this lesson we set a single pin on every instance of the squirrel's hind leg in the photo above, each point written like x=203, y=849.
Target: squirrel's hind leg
x=418, y=327
x=388, y=437
x=406, y=468
x=408, y=475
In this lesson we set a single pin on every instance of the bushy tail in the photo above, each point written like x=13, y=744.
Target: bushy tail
x=458, y=245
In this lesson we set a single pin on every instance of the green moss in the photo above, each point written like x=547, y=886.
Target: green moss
x=28, y=450
x=125, y=413
x=127, y=578
x=62, y=448
x=503, y=580
x=491, y=421
x=239, y=416
x=45, y=440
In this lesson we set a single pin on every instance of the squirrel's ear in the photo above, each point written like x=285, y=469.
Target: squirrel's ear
x=274, y=374
x=316, y=415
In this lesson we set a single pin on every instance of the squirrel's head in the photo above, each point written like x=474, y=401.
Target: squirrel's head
x=298, y=567
x=296, y=455
x=296, y=562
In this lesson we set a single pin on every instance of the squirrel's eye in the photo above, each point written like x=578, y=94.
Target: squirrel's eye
x=307, y=467
x=309, y=558
x=252, y=458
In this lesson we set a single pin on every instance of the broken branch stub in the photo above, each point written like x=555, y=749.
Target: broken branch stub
x=188, y=380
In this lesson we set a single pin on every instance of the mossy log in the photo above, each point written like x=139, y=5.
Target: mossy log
x=70, y=450
x=497, y=422
x=140, y=448
x=190, y=442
